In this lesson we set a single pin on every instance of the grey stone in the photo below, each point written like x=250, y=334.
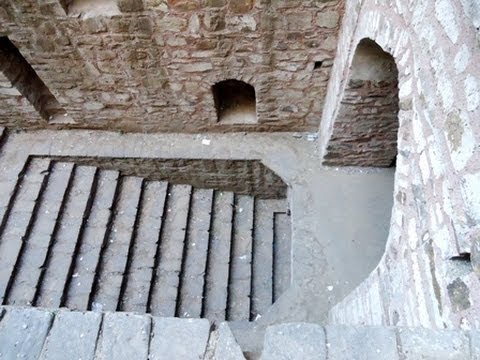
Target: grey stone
x=124, y=337
x=432, y=344
x=361, y=343
x=296, y=341
x=179, y=338
x=219, y=257
x=73, y=336
x=227, y=347
x=23, y=332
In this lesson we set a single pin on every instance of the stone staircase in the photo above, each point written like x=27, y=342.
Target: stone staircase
x=87, y=238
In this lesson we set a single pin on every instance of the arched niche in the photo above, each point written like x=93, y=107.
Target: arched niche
x=366, y=127
x=235, y=102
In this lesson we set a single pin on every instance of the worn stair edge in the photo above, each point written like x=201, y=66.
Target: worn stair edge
x=138, y=276
x=93, y=237
x=223, y=345
x=61, y=254
x=217, y=276
x=46, y=334
x=298, y=341
x=20, y=218
x=195, y=255
x=164, y=290
x=118, y=247
x=23, y=281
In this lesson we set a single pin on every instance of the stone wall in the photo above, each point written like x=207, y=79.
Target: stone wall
x=422, y=280
x=149, y=65
x=365, y=130
x=248, y=177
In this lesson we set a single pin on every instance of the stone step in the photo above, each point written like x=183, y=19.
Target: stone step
x=94, y=236
x=62, y=250
x=241, y=259
x=31, y=333
x=217, y=277
x=311, y=341
x=115, y=254
x=164, y=292
x=25, y=277
x=281, y=253
x=140, y=269
x=196, y=252
x=262, y=296
x=19, y=218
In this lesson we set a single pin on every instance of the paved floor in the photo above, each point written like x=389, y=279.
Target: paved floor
x=340, y=219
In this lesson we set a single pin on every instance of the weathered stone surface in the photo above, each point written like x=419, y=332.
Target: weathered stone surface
x=72, y=336
x=23, y=332
x=227, y=347
x=124, y=337
x=294, y=341
x=433, y=344
x=249, y=177
x=179, y=338
x=345, y=342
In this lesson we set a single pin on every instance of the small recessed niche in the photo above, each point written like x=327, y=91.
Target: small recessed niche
x=235, y=102
x=85, y=9
x=317, y=65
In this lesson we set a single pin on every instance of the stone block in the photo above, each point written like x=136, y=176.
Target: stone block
x=296, y=341
x=241, y=6
x=23, y=332
x=124, y=336
x=73, y=336
x=174, y=338
x=130, y=5
x=227, y=347
x=361, y=343
x=432, y=344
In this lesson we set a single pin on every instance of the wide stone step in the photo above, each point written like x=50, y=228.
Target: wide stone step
x=84, y=238
x=30, y=333
x=300, y=341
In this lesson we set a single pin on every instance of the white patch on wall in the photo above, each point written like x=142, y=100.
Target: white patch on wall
x=462, y=59
x=465, y=151
x=412, y=233
x=471, y=194
x=424, y=168
x=418, y=133
x=471, y=91
x=444, y=87
x=85, y=9
x=446, y=15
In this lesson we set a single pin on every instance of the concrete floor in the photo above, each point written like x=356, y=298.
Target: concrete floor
x=340, y=218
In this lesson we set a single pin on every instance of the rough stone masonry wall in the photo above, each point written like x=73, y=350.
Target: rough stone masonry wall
x=436, y=213
x=249, y=177
x=152, y=66
x=16, y=107
x=366, y=127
